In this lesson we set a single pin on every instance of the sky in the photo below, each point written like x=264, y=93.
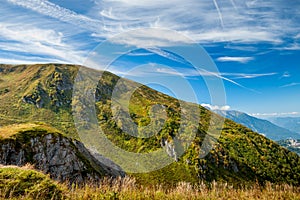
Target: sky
x=254, y=44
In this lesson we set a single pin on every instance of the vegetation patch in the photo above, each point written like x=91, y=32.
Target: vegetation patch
x=10, y=130
x=18, y=182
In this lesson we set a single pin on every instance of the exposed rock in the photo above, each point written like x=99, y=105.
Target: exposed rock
x=37, y=97
x=55, y=91
x=170, y=149
x=64, y=159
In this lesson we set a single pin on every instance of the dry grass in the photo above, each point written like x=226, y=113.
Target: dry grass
x=127, y=188
x=8, y=131
x=25, y=167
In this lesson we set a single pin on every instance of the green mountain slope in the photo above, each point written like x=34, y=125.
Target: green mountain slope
x=44, y=93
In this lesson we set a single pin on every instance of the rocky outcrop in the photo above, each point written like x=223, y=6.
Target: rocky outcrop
x=37, y=97
x=63, y=158
x=53, y=91
x=169, y=148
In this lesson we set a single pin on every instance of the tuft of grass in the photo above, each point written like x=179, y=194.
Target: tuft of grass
x=26, y=183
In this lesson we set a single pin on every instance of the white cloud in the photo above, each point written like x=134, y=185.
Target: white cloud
x=247, y=76
x=139, y=54
x=219, y=12
x=206, y=22
x=225, y=108
x=21, y=32
x=226, y=79
x=150, y=38
x=199, y=20
x=290, y=85
x=235, y=59
x=215, y=107
x=275, y=114
x=27, y=61
x=31, y=40
x=237, y=35
x=167, y=55
x=220, y=21
x=65, y=15
x=291, y=47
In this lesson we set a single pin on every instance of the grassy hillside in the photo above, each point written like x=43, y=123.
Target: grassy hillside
x=25, y=183
x=44, y=93
x=40, y=93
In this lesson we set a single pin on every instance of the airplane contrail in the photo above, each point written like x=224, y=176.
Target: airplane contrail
x=219, y=13
x=228, y=79
x=233, y=4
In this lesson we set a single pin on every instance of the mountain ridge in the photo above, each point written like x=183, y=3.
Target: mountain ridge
x=261, y=126
x=43, y=93
x=290, y=123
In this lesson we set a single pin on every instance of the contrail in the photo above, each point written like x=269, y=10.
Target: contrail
x=219, y=12
x=229, y=80
x=233, y=4
x=65, y=15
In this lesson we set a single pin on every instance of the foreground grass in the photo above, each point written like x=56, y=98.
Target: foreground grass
x=128, y=191
x=24, y=183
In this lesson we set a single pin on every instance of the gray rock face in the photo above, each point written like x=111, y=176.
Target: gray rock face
x=169, y=148
x=54, y=154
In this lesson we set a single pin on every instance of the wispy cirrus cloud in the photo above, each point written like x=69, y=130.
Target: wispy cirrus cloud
x=275, y=114
x=221, y=21
x=247, y=76
x=290, y=85
x=156, y=70
x=47, y=8
x=289, y=47
x=30, y=34
x=26, y=39
x=235, y=59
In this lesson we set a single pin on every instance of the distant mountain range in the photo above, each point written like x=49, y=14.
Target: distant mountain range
x=262, y=126
x=290, y=123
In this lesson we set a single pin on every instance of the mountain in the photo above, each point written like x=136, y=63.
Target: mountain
x=290, y=123
x=291, y=144
x=261, y=126
x=43, y=93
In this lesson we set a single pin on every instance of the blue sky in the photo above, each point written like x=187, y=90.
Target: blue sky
x=255, y=44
